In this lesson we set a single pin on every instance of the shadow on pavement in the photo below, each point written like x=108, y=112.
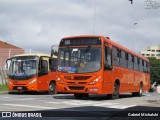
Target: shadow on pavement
x=92, y=97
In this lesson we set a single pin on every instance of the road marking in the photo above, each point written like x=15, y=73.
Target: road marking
x=124, y=107
x=27, y=99
x=15, y=99
x=91, y=103
x=29, y=106
x=5, y=97
x=39, y=107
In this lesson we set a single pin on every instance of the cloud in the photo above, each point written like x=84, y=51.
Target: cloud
x=37, y=24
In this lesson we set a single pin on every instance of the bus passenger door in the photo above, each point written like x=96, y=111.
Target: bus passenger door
x=108, y=73
x=43, y=75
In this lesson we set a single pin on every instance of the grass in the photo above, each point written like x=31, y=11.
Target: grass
x=3, y=87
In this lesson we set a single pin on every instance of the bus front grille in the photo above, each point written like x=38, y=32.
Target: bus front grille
x=82, y=77
x=73, y=83
x=75, y=88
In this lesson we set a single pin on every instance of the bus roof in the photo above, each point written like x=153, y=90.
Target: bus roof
x=39, y=55
x=112, y=43
x=125, y=49
x=81, y=36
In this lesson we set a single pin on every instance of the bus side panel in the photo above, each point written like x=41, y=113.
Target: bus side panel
x=120, y=74
x=107, y=85
x=42, y=82
x=141, y=78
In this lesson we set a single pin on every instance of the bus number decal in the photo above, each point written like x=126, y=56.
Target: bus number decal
x=68, y=77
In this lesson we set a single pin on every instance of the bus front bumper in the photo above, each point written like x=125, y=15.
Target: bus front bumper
x=90, y=89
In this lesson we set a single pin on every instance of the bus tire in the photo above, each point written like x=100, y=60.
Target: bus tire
x=115, y=94
x=80, y=95
x=52, y=88
x=139, y=94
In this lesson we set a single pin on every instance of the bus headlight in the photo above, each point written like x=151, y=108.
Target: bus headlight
x=95, y=81
x=9, y=82
x=33, y=81
x=59, y=80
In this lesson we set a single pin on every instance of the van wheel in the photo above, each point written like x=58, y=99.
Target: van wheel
x=115, y=94
x=52, y=88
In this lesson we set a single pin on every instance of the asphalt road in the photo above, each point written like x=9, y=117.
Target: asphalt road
x=65, y=106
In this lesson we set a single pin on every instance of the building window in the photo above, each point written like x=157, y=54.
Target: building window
x=153, y=55
x=153, y=50
x=143, y=54
x=148, y=54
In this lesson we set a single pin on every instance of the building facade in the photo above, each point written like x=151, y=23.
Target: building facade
x=7, y=50
x=152, y=51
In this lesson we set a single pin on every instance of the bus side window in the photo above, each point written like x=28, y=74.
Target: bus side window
x=148, y=67
x=135, y=63
x=123, y=59
x=108, y=58
x=116, y=54
x=140, y=65
x=130, y=61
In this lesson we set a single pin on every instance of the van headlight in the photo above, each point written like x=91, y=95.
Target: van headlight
x=33, y=81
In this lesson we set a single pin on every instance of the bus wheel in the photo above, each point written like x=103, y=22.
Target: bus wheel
x=52, y=88
x=115, y=94
x=80, y=95
x=139, y=94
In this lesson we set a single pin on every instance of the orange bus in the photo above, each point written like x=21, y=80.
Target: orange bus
x=32, y=72
x=97, y=65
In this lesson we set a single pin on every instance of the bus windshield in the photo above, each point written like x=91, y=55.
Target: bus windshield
x=79, y=60
x=23, y=68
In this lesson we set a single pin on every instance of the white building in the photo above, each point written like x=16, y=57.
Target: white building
x=152, y=51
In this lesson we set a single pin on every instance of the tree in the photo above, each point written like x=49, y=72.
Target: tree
x=155, y=70
x=55, y=53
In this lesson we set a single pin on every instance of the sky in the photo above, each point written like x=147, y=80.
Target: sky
x=39, y=24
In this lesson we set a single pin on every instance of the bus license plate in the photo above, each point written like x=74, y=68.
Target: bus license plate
x=19, y=88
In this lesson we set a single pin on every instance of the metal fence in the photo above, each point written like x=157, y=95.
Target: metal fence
x=3, y=77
